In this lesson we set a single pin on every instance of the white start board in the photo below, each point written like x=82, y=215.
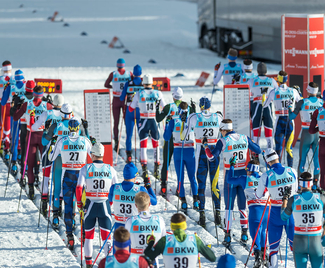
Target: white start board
x=236, y=106
x=98, y=114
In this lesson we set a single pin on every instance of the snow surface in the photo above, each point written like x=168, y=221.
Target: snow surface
x=151, y=29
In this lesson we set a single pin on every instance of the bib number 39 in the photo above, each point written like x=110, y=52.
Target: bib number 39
x=181, y=262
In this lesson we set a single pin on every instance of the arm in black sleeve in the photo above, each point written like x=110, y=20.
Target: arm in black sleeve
x=161, y=115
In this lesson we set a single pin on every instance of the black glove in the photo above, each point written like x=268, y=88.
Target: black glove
x=264, y=90
x=14, y=97
x=233, y=160
x=54, y=139
x=298, y=89
x=49, y=99
x=287, y=193
x=218, y=112
x=18, y=101
x=168, y=118
x=84, y=122
x=205, y=140
x=157, y=104
x=236, y=77
x=93, y=140
x=216, y=68
x=193, y=106
x=147, y=185
x=184, y=116
x=48, y=124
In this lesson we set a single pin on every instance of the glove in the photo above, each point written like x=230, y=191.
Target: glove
x=193, y=106
x=157, y=104
x=168, y=118
x=151, y=238
x=323, y=241
x=216, y=68
x=287, y=193
x=233, y=160
x=48, y=99
x=205, y=141
x=236, y=77
x=147, y=184
x=54, y=140
x=48, y=124
x=264, y=90
x=298, y=89
x=32, y=113
x=82, y=213
x=84, y=122
x=93, y=140
x=184, y=117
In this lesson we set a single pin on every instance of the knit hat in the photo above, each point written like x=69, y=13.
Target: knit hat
x=205, y=103
x=19, y=75
x=130, y=171
x=232, y=54
x=227, y=261
x=30, y=85
x=270, y=155
x=261, y=68
x=58, y=100
x=137, y=70
x=120, y=63
x=98, y=149
x=177, y=93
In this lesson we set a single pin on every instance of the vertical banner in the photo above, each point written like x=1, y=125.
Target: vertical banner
x=97, y=110
x=236, y=106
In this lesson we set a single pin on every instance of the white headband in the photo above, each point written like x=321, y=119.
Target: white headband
x=271, y=157
x=7, y=67
x=248, y=67
x=226, y=126
x=312, y=90
x=305, y=184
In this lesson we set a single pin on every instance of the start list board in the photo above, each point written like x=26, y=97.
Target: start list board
x=98, y=114
x=236, y=106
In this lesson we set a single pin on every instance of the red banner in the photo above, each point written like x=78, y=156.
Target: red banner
x=161, y=83
x=53, y=86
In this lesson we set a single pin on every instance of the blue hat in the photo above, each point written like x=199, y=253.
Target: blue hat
x=120, y=63
x=19, y=75
x=130, y=171
x=205, y=103
x=137, y=70
x=227, y=261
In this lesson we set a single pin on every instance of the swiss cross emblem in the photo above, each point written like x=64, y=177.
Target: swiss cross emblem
x=298, y=207
x=136, y=228
x=60, y=132
x=321, y=116
x=91, y=174
x=117, y=197
x=131, y=89
x=115, y=79
x=170, y=250
x=143, y=99
x=250, y=183
x=226, y=72
x=244, y=79
x=178, y=128
x=200, y=124
x=229, y=147
x=65, y=147
x=256, y=83
x=278, y=96
x=307, y=107
x=273, y=183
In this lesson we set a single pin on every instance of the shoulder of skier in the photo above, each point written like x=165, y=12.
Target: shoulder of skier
x=82, y=176
x=261, y=185
x=270, y=98
x=128, y=224
x=153, y=198
x=162, y=101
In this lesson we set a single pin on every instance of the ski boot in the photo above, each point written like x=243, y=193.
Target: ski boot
x=55, y=221
x=163, y=189
x=22, y=182
x=14, y=168
x=183, y=205
x=128, y=157
x=2, y=150
x=70, y=241
x=31, y=193
x=36, y=181
x=89, y=265
x=145, y=174
x=73, y=221
x=217, y=218
x=7, y=158
x=196, y=202
x=44, y=207
x=202, y=219
x=60, y=207
x=258, y=259
x=227, y=239
x=266, y=260
x=156, y=171
x=244, y=236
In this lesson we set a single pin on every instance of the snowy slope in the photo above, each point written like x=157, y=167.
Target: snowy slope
x=151, y=29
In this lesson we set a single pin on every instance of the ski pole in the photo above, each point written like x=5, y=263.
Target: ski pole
x=100, y=241
x=313, y=154
x=81, y=240
x=28, y=143
x=135, y=136
x=180, y=176
x=285, y=138
x=260, y=124
x=11, y=148
x=3, y=121
x=267, y=229
x=122, y=121
x=104, y=244
x=213, y=89
x=259, y=225
x=198, y=255
x=167, y=173
x=50, y=202
x=287, y=230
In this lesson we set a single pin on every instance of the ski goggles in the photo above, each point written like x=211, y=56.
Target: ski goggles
x=252, y=168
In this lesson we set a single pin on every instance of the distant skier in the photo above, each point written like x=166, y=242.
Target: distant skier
x=281, y=183
x=118, y=79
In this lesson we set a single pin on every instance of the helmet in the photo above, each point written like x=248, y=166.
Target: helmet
x=205, y=103
x=58, y=100
x=73, y=125
x=98, y=149
x=147, y=79
x=66, y=111
x=270, y=155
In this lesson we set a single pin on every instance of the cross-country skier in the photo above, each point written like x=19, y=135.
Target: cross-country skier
x=145, y=99
x=58, y=129
x=308, y=141
x=169, y=109
x=280, y=181
x=144, y=225
x=308, y=212
x=129, y=90
x=206, y=124
x=73, y=150
x=229, y=69
x=121, y=195
x=179, y=248
x=317, y=124
x=283, y=97
x=260, y=88
x=256, y=206
x=97, y=179
x=184, y=155
x=122, y=256
x=232, y=144
x=32, y=109
x=118, y=78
